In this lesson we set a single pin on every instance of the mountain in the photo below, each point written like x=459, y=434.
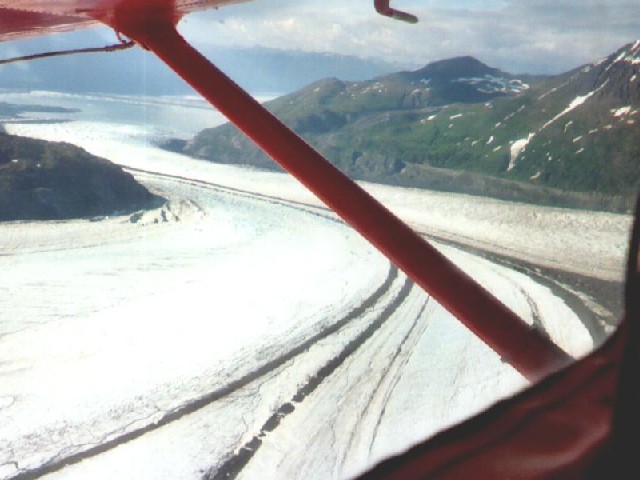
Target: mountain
x=51, y=181
x=333, y=106
x=460, y=125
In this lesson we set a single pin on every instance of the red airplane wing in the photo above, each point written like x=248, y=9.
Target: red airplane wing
x=29, y=18
x=15, y=24
x=25, y=18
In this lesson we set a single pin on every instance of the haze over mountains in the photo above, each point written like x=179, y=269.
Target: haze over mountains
x=460, y=125
x=454, y=125
x=137, y=72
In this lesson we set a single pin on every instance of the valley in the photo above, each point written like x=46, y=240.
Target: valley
x=239, y=325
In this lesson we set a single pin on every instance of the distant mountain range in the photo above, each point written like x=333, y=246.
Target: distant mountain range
x=460, y=125
x=137, y=72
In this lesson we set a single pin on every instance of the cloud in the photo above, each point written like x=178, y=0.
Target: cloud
x=546, y=36
x=542, y=36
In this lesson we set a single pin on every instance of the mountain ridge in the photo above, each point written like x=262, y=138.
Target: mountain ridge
x=42, y=180
x=571, y=136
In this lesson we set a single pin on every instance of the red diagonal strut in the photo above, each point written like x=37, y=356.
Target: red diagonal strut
x=526, y=349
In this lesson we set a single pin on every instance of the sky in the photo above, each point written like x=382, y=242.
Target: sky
x=517, y=36
x=520, y=36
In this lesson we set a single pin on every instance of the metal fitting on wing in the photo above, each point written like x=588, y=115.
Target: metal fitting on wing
x=383, y=8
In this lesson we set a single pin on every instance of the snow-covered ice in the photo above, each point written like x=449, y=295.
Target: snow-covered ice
x=110, y=326
x=103, y=337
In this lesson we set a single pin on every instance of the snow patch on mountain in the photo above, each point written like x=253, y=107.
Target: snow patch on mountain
x=630, y=55
x=559, y=87
x=517, y=148
x=579, y=100
x=492, y=84
x=633, y=54
x=546, y=94
x=619, y=112
x=428, y=119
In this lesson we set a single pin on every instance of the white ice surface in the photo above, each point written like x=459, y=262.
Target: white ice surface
x=113, y=323
x=582, y=242
x=101, y=338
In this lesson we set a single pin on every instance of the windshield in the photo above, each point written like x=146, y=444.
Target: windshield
x=174, y=305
